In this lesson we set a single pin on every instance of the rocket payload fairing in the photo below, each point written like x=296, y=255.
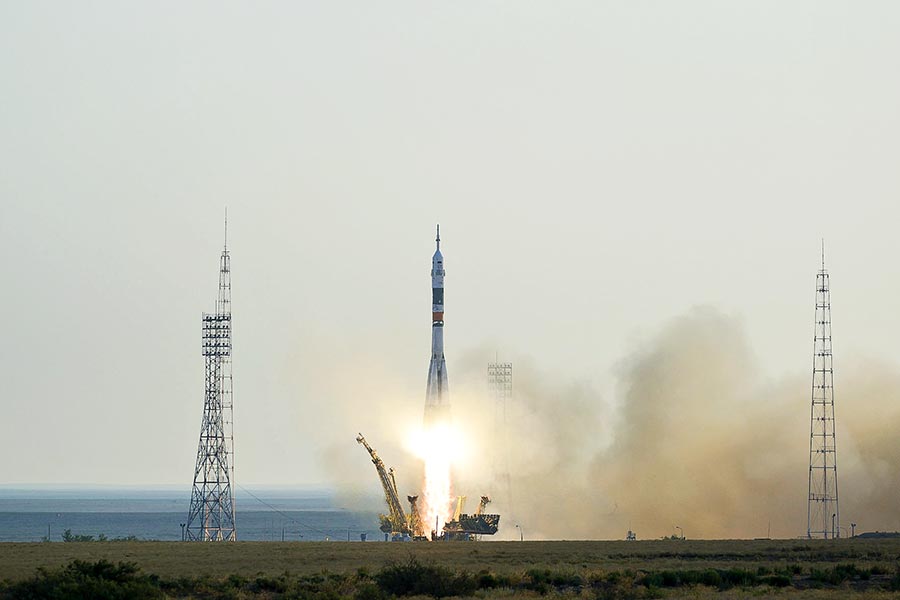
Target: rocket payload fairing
x=437, y=395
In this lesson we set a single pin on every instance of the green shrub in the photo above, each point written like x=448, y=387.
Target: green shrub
x=894, y=583
x=739, y=577
x=414, y=578
x=718, y=578
x=777, y=580
x=369, y=590
x=839, y=574
x=101, y=580
x=711, y=577
x=485, y=580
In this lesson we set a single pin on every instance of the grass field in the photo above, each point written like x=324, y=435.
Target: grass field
x=664, y=568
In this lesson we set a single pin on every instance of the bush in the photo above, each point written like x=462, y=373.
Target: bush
x=486, y=580
x=894, y=583
x=732, y=577
x=414, y=578
x=839, y=574
x=101, y=580
x=68, y=536
x=711, y=577
x=777, y=580
x=718, y=578
x=270, y=584
x=368, y=591
x=609, y=590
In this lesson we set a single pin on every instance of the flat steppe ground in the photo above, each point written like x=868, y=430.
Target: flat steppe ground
x=177, y=559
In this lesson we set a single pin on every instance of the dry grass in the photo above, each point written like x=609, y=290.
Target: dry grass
x=174, y=559
x=787, y=594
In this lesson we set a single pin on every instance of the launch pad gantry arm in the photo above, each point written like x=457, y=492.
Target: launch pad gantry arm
x=417, y=528
x=485, y=500
x=397, y=516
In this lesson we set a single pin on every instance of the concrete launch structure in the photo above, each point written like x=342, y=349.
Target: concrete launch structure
x=437, y=395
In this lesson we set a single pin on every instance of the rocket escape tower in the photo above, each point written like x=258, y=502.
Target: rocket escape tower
x=823, y=518
x=211, y=515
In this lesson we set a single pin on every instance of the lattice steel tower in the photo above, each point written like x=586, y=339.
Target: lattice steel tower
x=823, y=519
x=500, y=386
x=211, y=516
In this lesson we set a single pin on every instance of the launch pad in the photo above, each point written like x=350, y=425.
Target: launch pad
x=398, y=526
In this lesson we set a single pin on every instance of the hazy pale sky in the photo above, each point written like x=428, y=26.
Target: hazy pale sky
x=598, y=168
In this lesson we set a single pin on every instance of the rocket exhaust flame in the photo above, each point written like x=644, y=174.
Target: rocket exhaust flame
x=439, y=446
x=437, y=493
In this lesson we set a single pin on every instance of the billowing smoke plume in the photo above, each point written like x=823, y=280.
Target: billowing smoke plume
x=342, y=391
x=695, y=437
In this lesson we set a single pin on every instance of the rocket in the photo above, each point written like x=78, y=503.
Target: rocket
x=437, y=395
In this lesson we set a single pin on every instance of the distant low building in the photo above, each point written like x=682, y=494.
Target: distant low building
x=879, y=534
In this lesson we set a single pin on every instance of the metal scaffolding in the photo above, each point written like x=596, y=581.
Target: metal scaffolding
x=823, y=519
x=211, y=515
x=500, y=386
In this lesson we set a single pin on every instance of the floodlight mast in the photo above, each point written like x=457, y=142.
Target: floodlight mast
x=211, y=516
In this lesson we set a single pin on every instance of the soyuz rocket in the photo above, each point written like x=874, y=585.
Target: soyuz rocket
x=437, y=395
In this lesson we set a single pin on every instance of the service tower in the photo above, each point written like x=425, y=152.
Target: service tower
x=437, y=395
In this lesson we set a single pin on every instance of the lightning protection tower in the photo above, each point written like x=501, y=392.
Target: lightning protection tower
x=211, y=516
x=822, y=516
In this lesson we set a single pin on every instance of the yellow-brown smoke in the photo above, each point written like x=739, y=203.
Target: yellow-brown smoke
x=694, y=436
x=696, y=439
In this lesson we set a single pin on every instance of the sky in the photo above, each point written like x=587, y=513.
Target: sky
x=602, y=172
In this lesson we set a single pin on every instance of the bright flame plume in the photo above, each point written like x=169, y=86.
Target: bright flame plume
x=439, y=446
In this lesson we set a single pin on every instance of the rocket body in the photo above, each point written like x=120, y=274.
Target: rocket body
x=437, y=395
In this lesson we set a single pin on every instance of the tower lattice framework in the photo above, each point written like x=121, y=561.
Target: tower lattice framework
x=500, y=387
x=211, y=516
x=823, y=517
